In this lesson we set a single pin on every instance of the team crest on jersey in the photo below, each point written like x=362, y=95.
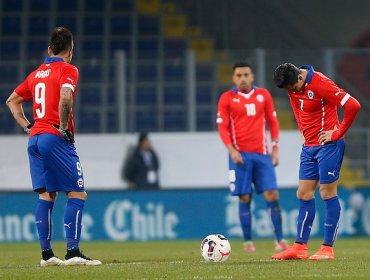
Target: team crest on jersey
x=80, y=183
x=310, y=94
x=260, y=98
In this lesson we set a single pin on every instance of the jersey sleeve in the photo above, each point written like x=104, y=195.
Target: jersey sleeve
x=271, y=118
x=332, y=93
x=23, y=90
x=223, y=119
x=69, y=78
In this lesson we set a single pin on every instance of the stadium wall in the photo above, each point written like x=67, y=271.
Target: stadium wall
x=188, y=160
x=174, y=214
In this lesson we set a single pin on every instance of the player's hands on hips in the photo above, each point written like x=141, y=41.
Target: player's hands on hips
x=27, y=129
x=328, y=135
x=66, y=133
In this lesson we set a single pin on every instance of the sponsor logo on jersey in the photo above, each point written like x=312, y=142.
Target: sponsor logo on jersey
x=236, y=100
x=260, y=98
x=310, y=94
x=43, y=73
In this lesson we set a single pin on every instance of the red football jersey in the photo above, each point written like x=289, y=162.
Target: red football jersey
x=315, y=108
x=242, y=119
x=43, y=87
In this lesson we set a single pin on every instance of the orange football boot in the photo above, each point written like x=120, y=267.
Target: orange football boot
x=324, y=253
x=295, y=252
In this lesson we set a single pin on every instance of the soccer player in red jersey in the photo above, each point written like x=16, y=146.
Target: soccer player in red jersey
x=314, y=99
x=54, y=163
x=242, y=114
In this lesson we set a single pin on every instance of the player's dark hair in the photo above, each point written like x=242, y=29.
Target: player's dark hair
x=241, y=64
x=60, y=40
x=286, y=74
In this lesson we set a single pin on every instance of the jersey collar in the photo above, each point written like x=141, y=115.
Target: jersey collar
x=235, y=90
x=311, y=71
x=53, y=59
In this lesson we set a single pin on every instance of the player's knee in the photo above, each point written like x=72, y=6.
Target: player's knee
x=245, y=198
x=305, y=195
x=48, y=196
x=325, y=194
x=328, y=191
x=79, y=195
x=272, y=195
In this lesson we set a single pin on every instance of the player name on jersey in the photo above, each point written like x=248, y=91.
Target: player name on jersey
x=42, y=73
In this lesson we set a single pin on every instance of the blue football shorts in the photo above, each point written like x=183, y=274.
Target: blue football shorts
x=257, y=169
x=54, y=164
x=322, y=162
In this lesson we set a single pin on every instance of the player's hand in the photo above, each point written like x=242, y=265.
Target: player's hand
x=327, y=136
x=66, y=133
x=275, y=157
x=236, y=157
x=27, y=129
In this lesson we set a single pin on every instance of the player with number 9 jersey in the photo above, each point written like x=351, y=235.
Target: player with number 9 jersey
x=54, y=163
x=43, y=86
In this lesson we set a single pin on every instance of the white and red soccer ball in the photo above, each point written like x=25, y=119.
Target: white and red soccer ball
x=215, y=248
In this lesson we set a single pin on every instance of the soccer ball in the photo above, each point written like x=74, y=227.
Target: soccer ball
x=215, y=248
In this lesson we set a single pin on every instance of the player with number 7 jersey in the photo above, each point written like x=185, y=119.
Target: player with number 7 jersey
x=54, y=163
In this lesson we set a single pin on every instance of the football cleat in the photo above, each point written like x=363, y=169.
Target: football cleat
x=75, y=257
x=295, y=252
x=49, y=259
x=324, y=253
x=53, y=261
x=281, y=246
x=249, y=247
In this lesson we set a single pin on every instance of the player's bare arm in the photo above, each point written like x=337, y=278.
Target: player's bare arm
x=275, y=156
x=65, y=105
x=14, y=103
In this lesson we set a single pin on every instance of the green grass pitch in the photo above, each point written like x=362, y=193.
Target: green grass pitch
x=182, y=260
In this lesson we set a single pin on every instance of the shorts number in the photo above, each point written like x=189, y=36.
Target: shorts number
x=79, y=168
x=40, y=99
